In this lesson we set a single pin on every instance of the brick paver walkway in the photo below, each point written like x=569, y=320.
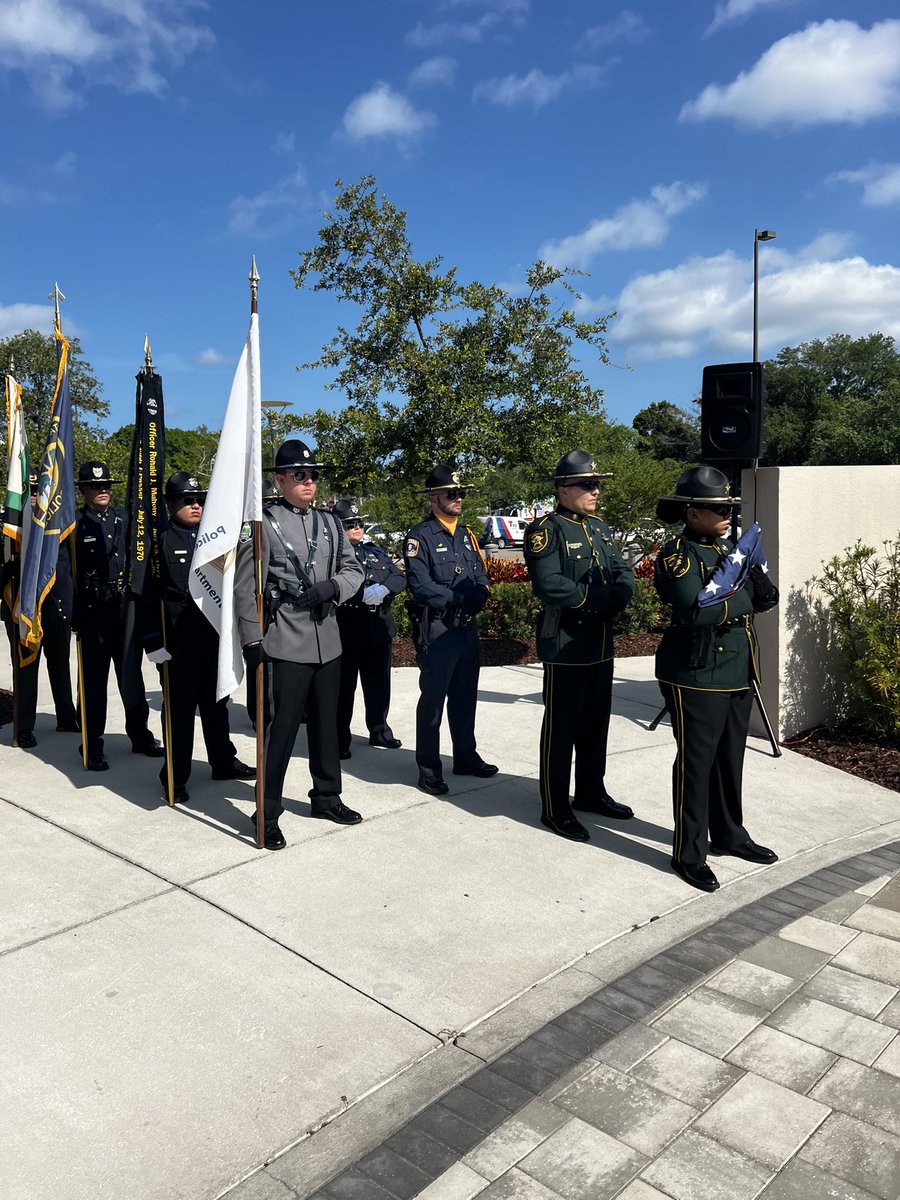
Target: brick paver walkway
x=759, y=1057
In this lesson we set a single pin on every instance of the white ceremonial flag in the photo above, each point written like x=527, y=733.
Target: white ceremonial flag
x=234, y=498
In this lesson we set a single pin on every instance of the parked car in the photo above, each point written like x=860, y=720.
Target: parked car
x=389, y=538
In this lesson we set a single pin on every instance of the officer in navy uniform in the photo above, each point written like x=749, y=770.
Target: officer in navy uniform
x=367, y=630
x=578, y=573
x=190, y=646
x=308, y=567
x=448, y=583
x=104, y=619
x=705, y=664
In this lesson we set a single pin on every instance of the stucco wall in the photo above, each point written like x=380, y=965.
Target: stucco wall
x=807, y=515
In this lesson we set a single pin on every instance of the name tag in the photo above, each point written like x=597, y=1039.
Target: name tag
x=89, y=539
x=574, y=545
x=441, y=549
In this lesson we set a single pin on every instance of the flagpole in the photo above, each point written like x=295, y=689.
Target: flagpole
x=260, y=670
x=14, y=644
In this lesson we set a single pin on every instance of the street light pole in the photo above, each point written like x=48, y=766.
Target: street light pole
x=759, y=235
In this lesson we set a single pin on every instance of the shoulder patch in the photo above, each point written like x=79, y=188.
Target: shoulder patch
x=412, y=547
x=245, y=532
x=537, y=539
x=674, y=559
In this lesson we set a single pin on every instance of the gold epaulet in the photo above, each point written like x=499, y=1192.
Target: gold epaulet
x=674, y=559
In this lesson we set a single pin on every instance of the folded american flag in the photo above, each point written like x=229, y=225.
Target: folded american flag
x=731, y=573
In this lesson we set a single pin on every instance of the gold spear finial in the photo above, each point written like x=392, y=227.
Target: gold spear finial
x=148, y=356
x=254, y=284
x=56, y=295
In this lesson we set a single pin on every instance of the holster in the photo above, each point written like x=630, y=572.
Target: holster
x=548, y=621
x=700, y=640
x=419, y=622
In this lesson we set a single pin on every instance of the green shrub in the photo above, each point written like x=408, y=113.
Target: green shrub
x=511, y=611
x=400, y=615
x=643, y=612
x=864, y=591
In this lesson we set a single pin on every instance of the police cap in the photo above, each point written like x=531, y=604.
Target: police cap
x=347, y=510
x=696, y=487
x=578, y=464
x=182, y=485
x=95, y=472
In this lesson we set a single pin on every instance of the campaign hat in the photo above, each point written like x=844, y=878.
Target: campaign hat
x=444, y=475
x=578, y=464
x=294, y=455
x=695, y=488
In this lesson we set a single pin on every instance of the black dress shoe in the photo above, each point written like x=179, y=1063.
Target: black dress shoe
x=97, y=762
x=152, y=749
x=567, y=827
x=273, y=838
x=26, y=740
x=180, y=795
x=235, y=770
x=481, y=770
x=749, y=850
x=340, y=814
x=698, y=875
x=433, y=785
x=68, y=727
x=604, y=806
x=345, y=754
x=386, y=743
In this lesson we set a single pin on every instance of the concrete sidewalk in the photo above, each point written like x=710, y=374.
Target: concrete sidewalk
x=180, y=1008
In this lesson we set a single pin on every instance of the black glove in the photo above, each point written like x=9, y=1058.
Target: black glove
x=470, y=597
x=318, y=593
x=763, y=592
x=255, y=654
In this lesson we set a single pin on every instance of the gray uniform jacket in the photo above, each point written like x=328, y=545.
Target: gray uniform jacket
x=294, y=635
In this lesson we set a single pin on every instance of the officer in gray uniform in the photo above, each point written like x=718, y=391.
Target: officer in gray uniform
x=308, y=567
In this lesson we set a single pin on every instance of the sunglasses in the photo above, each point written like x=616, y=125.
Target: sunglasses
x=353, y=524
x=304, y=476
x=721, y=510
x=96, y=487
x=455, y=493
x=584, y=485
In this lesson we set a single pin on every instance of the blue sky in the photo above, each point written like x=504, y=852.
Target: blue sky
x=150, y=146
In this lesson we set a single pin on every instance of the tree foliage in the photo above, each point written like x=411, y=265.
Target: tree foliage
x=835, y=401
x=668, y=431
x=437, y=369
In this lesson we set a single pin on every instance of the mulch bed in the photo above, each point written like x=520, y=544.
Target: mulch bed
x=6, y=707
x=505, y=652
x=846, y=748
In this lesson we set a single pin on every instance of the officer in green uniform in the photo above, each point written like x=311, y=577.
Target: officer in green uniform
x=583, y=581
x=705, y=664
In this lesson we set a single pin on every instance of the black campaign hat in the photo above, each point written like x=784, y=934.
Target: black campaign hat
x=269, y=490
x=182, y=484
x=294, y=454
x=347, y=510
x=578, y=464
x=95, y=472
x=444, y=475
x=696, y=487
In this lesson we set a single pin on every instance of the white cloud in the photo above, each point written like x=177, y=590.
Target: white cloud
x=426, y=37
x=382, y=112
x=881, y=183
x=209, y=358
x=537, y=88
x=705, y=305
x=638, y=223
x=833, y=72
x=66, y=46
x=270, y=211
x=434, y=72
x=16, y=317
x=738, y=10
x=284, y=143
x=626, y=26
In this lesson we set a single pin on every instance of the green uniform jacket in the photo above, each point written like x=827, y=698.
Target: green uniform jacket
x=583, y=582
x=710, y=649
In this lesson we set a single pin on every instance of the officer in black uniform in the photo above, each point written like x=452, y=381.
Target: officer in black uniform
x=269, y=496
x=705, y=664
x=189, y=645
x=56, y=623
x=367, y=630
x=308, y=568
x=583, y=581
x=448, y=583
x=104, y=619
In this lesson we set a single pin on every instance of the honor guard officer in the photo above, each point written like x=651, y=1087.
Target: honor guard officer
x=308, y=567
x=104, y=618
x=269, y=496
x=583, y=581
x=367, y=630
x=448, y=583
x=705, y=664
x=190, y=646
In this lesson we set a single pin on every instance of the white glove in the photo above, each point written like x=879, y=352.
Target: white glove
x=374, y=593
x=159, y=656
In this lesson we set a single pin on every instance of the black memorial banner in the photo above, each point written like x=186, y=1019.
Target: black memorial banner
x=146, y=476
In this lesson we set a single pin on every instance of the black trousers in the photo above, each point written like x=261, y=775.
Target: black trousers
x=54, y=649
x=295, y=689
x=107, y=638
x=192, y=686
x=448, y=672
x=710, y=733
x=371, y=664
x=577, y=704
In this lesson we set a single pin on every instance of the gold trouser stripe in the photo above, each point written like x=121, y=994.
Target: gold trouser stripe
x=545, y=747
x=678, y=718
